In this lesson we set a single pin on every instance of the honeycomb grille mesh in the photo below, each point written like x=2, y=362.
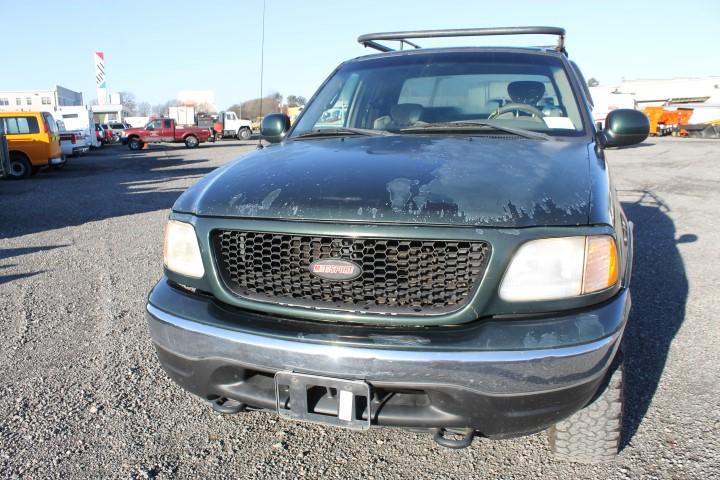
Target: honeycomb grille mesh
x=398, y=276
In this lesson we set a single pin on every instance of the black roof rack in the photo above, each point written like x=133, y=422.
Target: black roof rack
x=369, y=40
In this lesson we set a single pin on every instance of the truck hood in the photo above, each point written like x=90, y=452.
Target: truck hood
x=428, y=179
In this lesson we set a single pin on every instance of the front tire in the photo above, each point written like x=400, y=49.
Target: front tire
x=135, y=143
x=244, y=134
x=20, y=167
x=191, y=141
x=593, y=434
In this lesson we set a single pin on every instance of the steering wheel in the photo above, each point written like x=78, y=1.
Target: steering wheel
x=518, y=107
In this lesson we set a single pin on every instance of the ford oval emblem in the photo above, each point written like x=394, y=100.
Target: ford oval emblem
x=335, y=269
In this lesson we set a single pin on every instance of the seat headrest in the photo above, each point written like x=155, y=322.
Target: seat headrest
x=405, y=114
x=526, y=91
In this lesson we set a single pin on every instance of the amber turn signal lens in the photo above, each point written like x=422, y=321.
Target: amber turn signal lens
x=601, y=264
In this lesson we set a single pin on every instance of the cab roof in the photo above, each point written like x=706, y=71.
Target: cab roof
x=550, y=51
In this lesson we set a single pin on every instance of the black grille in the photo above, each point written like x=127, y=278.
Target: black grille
x=398, y=276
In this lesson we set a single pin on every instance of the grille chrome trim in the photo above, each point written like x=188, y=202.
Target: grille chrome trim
x=400, y=276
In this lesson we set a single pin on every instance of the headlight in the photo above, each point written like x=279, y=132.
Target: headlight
x=554, y=268
x=182, y=252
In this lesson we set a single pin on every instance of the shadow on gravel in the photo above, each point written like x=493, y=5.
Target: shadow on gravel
x=659, y=293
x=18, y=276
x=6, y=253
x=109, y=183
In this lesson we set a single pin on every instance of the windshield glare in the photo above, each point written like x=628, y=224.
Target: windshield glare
x=397, y=93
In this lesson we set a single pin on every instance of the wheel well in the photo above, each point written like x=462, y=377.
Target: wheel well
x=189, y=135
x=130, y=137
x=21, y=154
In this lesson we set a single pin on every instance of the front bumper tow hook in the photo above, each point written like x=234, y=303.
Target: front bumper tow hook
x=454, y=438
x=227, y=406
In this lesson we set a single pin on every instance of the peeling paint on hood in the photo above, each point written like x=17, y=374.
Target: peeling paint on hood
x=504, y=182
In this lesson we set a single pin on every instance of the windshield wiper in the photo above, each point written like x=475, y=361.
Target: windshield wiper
x=475, y=125
x=341, y=132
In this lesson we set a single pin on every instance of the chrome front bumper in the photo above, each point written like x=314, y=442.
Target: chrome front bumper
x=501, y=377
x=540, y=362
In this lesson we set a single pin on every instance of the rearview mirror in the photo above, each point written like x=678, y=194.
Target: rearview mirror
x=274, y=127
x=624, y=127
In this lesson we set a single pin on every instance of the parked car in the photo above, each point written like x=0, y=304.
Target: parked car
x=103, y=133
x=447, y=254
x=72, y=142
x=110, y=136
x=164, y=130
x=33, y=142
x=117, y=127
x=100, y=134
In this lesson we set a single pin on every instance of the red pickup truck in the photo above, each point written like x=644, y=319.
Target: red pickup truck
x=163, y=130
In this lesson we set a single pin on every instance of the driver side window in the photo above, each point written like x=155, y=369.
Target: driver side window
x=154, y=125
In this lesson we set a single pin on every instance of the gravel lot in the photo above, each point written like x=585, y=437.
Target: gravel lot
x=82, y=394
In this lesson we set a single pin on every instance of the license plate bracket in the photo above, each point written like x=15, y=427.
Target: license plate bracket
x=317, y=399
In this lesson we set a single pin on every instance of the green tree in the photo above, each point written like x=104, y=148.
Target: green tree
x=592, y=82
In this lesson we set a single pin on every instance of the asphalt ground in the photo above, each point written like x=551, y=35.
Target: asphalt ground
x=83, y=395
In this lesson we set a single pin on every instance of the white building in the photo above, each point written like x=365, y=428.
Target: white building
x=110, y=112
x=655, y=92
x=39, y=100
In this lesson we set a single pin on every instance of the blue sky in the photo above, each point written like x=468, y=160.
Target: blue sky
x=156, y=48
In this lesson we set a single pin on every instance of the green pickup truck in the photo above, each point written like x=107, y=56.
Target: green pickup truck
x=447, y=254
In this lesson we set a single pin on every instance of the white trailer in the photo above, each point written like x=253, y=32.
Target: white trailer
x=182, y=115
x=78, y=118
x=606, y=100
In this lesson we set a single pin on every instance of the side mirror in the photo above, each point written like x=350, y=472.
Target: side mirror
x=624, y=127
x=274, y=127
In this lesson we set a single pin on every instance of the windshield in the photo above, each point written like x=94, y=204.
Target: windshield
x=439, y=92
